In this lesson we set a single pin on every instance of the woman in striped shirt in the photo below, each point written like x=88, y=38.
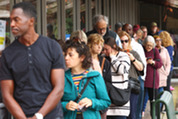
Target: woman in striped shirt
x=120, y=65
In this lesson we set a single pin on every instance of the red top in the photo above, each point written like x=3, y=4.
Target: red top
x=150, y=69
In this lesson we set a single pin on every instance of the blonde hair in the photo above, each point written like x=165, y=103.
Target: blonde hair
x=124, y=33
x=79, y=34
x=166, y=39
x=95, y=39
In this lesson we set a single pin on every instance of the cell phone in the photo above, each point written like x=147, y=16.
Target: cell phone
x=148, y=58
x=82, y=109
x=127, y=50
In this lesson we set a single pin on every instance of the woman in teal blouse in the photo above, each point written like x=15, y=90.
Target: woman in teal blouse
x=95, y=97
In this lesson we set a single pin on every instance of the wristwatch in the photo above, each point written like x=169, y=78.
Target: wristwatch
x=39, y=115
x=133, y=60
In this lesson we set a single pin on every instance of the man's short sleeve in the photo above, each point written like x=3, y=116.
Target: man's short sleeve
x=5, y=73
x=58, y=58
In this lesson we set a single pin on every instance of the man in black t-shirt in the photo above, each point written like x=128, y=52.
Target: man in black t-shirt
x=31, y=70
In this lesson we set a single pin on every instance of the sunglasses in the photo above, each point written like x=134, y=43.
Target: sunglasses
x=126, y=41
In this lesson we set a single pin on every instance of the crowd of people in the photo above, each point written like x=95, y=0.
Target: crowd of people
x=42, y=79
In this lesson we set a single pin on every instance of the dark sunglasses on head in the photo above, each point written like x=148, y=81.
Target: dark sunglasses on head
x=126, y=41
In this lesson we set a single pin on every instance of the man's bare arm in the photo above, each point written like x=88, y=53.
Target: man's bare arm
x=57, y=80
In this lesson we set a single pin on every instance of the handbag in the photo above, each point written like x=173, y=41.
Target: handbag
x=134, y=85
x=118, y=96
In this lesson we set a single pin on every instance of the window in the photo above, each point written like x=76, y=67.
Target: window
x=51, y=6
x=4, y=15
x=69, y=16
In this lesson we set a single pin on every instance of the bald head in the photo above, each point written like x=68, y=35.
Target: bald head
x=128, y=29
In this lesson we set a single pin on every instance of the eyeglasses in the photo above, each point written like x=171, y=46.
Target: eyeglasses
x=126, y=41
x=101, y=29
x=148, y=45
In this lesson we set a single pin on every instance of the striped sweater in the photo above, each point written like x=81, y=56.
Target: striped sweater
x=120, y=65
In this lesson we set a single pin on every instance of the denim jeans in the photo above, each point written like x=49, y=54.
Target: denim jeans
x=133, y=106
x=140, y=99
x=161, y=89
x=146, y=97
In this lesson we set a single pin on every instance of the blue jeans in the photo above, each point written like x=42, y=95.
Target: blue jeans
x=140, y=99
x=116, y=117
x=146, y=97
x=133, y=106
x=161, y=89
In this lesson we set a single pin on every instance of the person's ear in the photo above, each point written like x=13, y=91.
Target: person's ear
x=114, y=46
x=32, y=21
x=82, y=58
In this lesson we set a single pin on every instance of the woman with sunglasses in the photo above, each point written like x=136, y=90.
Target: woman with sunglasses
x=120, y=65
x=94, y=97
x=136, y=69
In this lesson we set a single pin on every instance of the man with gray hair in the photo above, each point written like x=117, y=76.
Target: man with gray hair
x=100, y=26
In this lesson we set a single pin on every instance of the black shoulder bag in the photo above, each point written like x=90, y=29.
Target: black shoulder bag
x=134, y=85
x=119, y=97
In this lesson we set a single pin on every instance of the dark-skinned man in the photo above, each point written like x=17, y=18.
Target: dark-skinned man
x=31, y=70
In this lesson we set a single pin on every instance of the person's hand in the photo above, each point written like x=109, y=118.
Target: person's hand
x=85, y=102
x=112, y=53
x=72, y=106
x=130, y=56
x=150, y=61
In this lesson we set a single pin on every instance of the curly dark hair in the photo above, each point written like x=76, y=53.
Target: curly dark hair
x=82, y=49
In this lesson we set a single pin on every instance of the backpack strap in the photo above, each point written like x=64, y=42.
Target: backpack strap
x=80, y=94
